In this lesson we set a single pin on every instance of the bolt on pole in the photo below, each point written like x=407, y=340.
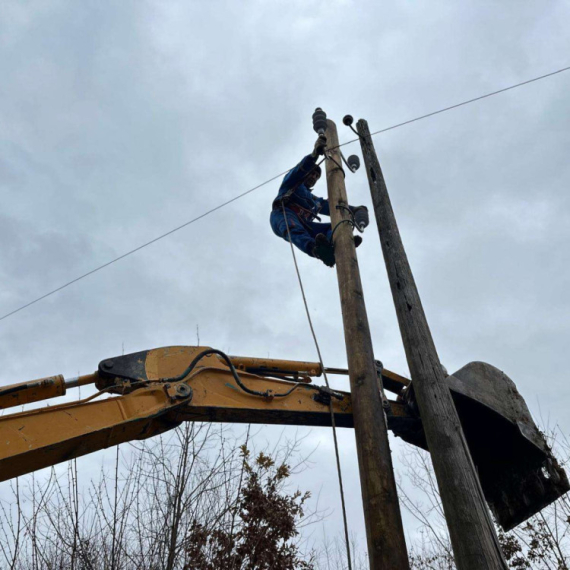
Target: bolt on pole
x=384, y=529
x=473, y=536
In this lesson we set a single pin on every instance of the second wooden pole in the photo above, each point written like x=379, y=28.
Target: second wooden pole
x=471, y=529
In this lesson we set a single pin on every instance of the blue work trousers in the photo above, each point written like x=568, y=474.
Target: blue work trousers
x=303, y=233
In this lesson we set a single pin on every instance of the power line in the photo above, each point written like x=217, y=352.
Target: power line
x=141, y=246
x=463, y=103
x=271, y=180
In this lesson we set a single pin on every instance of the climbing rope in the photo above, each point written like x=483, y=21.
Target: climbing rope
x=333, y=423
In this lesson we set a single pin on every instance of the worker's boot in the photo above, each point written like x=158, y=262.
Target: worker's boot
x=324, y=250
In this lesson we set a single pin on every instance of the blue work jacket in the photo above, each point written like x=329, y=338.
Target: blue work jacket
x=301, y=195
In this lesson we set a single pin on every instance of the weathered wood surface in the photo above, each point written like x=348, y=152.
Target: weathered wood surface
x=384, y=529
x=473, y=536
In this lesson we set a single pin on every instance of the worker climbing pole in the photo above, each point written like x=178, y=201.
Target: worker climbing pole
x=295, y=208
x=292, y=217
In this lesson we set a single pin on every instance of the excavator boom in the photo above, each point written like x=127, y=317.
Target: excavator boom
x=147, y=393
x=152, y=393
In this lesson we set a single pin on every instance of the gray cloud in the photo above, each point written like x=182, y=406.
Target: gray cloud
x=120, y=123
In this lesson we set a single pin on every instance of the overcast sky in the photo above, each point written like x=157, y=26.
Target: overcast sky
x=120, y=121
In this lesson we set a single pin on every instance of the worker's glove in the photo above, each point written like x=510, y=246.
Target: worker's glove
x=320, y=146
x=361, y=218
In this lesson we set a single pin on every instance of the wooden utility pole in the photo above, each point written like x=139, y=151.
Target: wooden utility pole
x=473, y=536
x=384, y=529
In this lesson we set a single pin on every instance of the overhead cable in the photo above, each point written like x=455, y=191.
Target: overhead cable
x=142, y=246
x=455, y=106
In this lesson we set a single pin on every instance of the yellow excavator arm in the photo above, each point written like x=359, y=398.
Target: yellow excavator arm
x=154, y=391
x=146, y=393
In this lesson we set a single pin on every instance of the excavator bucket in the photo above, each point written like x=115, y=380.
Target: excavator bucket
x=518, y=472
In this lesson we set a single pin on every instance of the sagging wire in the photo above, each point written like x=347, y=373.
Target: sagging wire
x=350, y=222
x=329, y=157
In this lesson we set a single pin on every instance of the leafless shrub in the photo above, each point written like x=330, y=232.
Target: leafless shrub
x=152, y=508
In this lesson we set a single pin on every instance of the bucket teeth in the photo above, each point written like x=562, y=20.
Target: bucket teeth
x=527, y=493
